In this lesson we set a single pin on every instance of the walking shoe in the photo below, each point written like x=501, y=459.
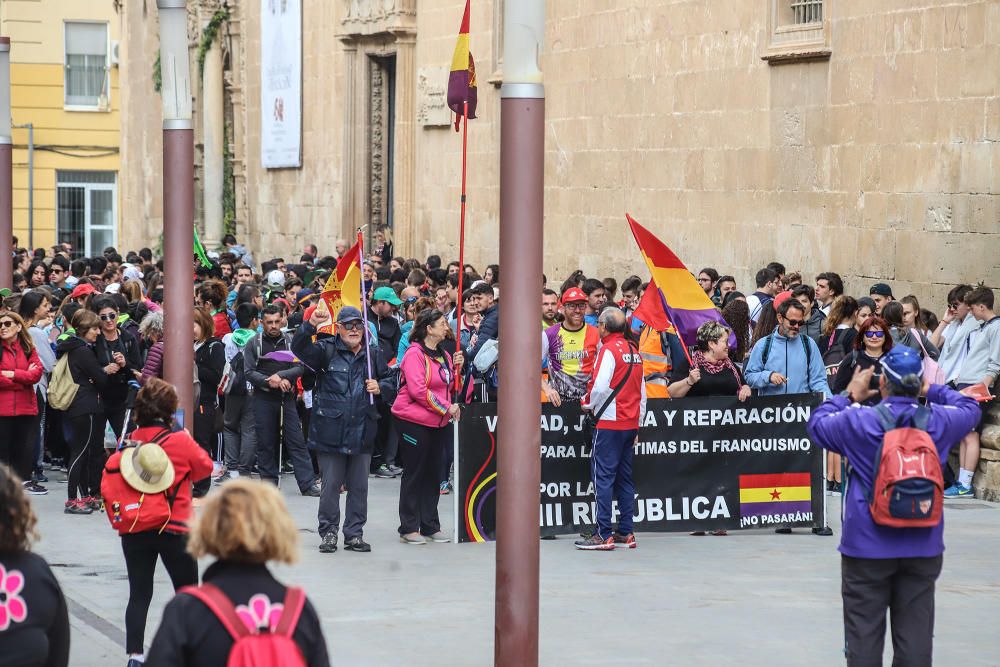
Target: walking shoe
x=383, y=472
x=783, y=531
x=40, y=478
x=720, y=533
x=595, y=543
x=135, y=662
x=439, y=537
x=412, y=538
x=286, y=468
x=329, y=543
x=445, y=488
x=822, y=531
x=96, y=503
x=357, y=544
x=35, y=489
x=587, y=531
x=76, y=507
x=957, y=490
x=395, y=470
x=313, y=491
x=625, y=541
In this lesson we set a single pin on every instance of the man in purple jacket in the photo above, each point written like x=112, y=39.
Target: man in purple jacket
x=882, y=567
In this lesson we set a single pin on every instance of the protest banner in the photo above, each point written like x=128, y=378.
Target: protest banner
x=699, y=464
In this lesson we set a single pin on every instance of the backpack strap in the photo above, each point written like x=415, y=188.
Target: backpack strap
x=767, y=349
x=921, y=417
x=295, y=600
x=809, y=353
x=885, y=418
x=222, y=607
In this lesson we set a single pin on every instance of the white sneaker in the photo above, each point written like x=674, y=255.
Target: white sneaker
x=439, y=537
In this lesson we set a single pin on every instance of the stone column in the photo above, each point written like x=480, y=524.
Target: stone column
x=404, y=178
x=349, y=169
x=213, y=123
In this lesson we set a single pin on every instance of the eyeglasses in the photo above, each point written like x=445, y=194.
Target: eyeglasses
x=704, y=280
x=794, y=323
x=6, y=323
x=108, y=317
x=575, y=306
x=352, y=326
x=56, y=270
x=874, y=334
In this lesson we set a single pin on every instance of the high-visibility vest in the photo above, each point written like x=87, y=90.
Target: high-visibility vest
x=656, y=364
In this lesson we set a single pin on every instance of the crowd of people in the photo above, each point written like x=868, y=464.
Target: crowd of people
x=284, y=386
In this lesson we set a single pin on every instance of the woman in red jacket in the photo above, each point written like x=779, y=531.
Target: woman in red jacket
x=20, y=369
x=154, y=412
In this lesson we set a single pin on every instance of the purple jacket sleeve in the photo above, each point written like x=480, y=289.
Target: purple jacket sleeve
x=830, y=425
x=154, y=364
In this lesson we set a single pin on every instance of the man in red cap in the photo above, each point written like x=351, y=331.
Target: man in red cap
x=81, y=293
x=570, y=348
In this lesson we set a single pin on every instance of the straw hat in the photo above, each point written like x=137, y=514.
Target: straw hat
x=147, y=468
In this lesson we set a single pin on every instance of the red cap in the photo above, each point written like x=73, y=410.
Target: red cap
x=780, y=298
x=82, y=290
x=573, y=294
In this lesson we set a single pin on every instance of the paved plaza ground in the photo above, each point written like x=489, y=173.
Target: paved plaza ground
x=752, y=598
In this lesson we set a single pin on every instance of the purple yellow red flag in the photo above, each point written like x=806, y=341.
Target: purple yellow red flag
x=684, y=301
x=344, y=286
x=462, y=80
x=780, y=493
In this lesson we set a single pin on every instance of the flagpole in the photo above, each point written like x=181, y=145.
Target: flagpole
x=461, y=242
x=364, y=309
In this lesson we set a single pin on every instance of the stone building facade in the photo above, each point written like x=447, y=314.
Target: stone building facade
x=855, y=136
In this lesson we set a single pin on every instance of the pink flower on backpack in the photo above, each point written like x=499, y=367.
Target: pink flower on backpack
x=13, y=609
x=259, y=614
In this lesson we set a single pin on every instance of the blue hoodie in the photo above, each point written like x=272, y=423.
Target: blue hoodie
x=855, y=432
x=787, y=357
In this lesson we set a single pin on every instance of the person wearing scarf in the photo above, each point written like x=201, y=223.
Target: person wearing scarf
x=711, y=371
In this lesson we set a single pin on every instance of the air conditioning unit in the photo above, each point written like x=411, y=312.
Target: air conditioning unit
x=115, y=44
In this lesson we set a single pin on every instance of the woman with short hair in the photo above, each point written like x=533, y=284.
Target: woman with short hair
x=151, y=330
x=244, y=525
x=711, y=371
x=871, y=344
x=35, y=627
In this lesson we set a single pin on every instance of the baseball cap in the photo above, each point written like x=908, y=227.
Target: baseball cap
x=350, y=313
x=276, y=278
x=903, y=367
x=386, y=294
x=780, y=298
x=881, y=289
x=303, y=295
x=573, y=294
x=82, y=290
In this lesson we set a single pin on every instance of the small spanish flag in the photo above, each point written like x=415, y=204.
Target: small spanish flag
x=344, y=286
x=462, y=80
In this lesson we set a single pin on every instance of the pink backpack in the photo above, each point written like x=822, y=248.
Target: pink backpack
x=256, y=648
x=909, y=488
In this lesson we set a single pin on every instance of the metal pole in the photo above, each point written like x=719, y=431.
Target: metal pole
x=522, y=142
x=6, y=171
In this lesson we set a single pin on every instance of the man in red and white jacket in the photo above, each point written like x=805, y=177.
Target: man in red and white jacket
x=618, y=365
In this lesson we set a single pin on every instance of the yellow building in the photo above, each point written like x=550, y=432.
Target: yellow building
x=64, y=84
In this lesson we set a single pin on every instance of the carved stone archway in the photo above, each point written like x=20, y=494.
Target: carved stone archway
x=374, y=34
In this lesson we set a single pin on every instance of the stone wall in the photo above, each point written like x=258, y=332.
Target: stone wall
x=987, y=477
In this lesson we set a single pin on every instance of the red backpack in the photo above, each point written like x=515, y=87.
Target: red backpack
x=909, y=488
x=257, y=647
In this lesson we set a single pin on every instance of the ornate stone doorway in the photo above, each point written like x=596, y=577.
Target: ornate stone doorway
x=381, y=141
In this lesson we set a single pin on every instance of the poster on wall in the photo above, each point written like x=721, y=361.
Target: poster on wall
x=281, y=83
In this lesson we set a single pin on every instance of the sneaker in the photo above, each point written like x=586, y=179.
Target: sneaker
x=76, y=507
x=96, y=503
x=445, y=488
x=438, y=537
x=219, y=471
x=783, y=531
x=958, y=491
x=40, y=478
x=824, y=531
x=412, y=538
x=383, y=472
x=313, y=491
x=35, y=489
x=357, y=544
x=595, y=543
x=286, y=468
x=587, y=531
x=329, y=543
x=135, y=662
x=395, y=470
x=624, y=541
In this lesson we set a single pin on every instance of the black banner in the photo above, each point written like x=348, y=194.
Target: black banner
x=699, y=464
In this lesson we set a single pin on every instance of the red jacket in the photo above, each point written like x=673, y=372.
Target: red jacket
x=221, y=322
x=17, y=394
x=614, y=361
x=189, y=460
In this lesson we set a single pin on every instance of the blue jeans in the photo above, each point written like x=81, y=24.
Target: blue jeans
x=611, y=469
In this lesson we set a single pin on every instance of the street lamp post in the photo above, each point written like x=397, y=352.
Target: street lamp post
x=522, y=144
x=6, y=171
x=178, y=202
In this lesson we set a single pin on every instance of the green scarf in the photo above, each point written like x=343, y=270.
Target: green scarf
x=241, y=336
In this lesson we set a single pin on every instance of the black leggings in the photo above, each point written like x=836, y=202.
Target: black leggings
x=141, y=551
x=86, y=455
x=422, y=449
x=17, y=446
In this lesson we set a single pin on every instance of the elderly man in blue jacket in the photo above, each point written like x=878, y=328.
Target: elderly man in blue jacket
x=884, y=567
x=344, y=420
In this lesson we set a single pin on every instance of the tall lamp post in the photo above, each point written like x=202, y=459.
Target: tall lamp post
x=6, y=171
x=178, y=202
x=522, y=146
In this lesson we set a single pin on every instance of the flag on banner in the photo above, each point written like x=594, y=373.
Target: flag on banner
x=344, y=286
x=684, y=301
x=780, y=493
x=462, y=80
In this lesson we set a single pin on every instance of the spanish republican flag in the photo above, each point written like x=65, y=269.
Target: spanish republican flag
x=344, y=286
x=686, y=304
x=781, y=493
x=462, y=80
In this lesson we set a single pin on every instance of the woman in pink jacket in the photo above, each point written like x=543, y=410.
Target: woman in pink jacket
x=424, y=416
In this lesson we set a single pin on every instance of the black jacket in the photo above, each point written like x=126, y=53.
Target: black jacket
x=343, y=420
x=191, y=636
x=115, y=392
x=389, y=333
x=42, y=638
x=210, y=360
x=258, y=369
x=87, y=372
x=489, y=328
